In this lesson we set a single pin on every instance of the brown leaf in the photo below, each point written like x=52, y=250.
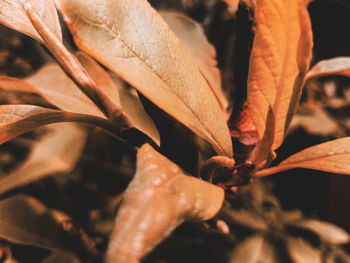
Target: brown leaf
x=333, y=66
x=302, y=252
x=18, y=119
x=61, y=257
x=332, y=157
x=329, y=232
x=159, y=198
x=130, y=38
x=279, y=61
x=203, y=54
x=14, y=84
x=54, y=85
x=57, y=152
x=25, y=220
x=254, y=250
x=12, y=14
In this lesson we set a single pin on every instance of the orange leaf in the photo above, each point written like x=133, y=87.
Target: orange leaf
x=13, y=15
x=333, y=66
x=159, y=198
x=332, y=157
x=130, y=38
x=56, y=152
x=14, y=84
x=279, y=61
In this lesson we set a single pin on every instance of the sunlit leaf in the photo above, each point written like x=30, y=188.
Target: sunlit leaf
x=279, y=61
x=18, y=119
x=158, y=199
x=329, y=232
x=25, y=220
x=332, y=157
x=192, y=37
x=54, y=85
x=254, y=250
x=13, y=15
x=302, y=252
x=130, y=38
x=333, y=66
x=58, y=151
x=61, y=257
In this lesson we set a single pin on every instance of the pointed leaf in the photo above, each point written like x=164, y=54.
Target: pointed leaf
x=302, y=252
x=332, y=157
x=57, y=152
x=130, y=38
x=25, y=220
x=13, y=15
x=192, y=37
x=333, y=66
x=158, y=199
x=279, y=61
x=329, y=232
x=18, y=119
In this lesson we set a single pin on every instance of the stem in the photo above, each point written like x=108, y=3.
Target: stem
x=272, y=170
x=73, y=68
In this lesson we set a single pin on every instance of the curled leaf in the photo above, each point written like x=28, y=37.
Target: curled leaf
x=57, y=151
x=159, y=198
x=14, y=84
x=279, y=61
x=25, y=220
x=130, y=38
x=332, y=157
x=192, y=37
x=333, y=66
x=12, y=14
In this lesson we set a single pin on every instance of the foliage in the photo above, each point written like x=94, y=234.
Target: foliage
x=170, y=65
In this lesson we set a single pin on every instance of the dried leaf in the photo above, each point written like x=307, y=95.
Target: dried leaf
x=57, y=152
x=254, y=250
x=279, y=61
x=329, y=232
x=54, y=85
x=203, y=54
x=12, y=14
x=130, y=38
x=61, y=257
x=332, y=157
x=302, y=252
x=158, y=199
x=25, y=220
x=333, y=66
x=18, y=119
